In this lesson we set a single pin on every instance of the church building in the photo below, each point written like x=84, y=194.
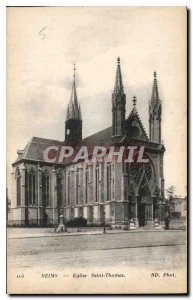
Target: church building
x=123, y=195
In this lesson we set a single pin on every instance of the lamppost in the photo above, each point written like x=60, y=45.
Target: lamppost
x=65, y=225
x=104, y=228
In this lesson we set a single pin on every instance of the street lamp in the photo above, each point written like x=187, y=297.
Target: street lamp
x=65, y=226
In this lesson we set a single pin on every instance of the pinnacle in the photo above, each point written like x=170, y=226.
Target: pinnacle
x=118, y=80
x=155, y=94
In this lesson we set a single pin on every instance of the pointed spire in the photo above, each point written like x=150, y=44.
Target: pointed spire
x=155, y=94
x=74, y=71
x=73, y=107
x=80, y=114
x=74, y=94
x=134, y=104
x=118, y=80
x=155, y=114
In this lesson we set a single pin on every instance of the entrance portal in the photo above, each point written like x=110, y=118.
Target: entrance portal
x=141, y=214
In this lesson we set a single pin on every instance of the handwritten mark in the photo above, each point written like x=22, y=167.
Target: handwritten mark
x=42, y=35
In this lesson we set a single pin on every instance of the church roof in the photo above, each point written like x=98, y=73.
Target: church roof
x=101, y=137
x=36, y=146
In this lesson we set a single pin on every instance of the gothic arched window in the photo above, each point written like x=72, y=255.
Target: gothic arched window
x=108, y=181
x=18, y=186
x=97, y=183
x=77, y=186
x=45, y=188
x=59, y=186
x=142, y=173
x=68, y=188
x=87, y=174
x=31, y=187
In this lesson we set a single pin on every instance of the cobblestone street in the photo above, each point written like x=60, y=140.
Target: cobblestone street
x=132, y=249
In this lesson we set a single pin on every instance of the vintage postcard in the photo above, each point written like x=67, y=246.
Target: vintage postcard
x=96, y=150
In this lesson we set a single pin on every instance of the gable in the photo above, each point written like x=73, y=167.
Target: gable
x=134, y=127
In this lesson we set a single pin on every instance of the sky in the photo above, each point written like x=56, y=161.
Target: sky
x=44, y=43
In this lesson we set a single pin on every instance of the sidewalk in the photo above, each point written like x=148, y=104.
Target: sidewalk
x=22, y=235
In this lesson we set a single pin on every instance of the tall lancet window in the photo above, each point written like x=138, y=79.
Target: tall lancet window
x=77, y=185
x=31, y=185
x=59, y=180
x=109, y=181
x=87, y=180
x=45, y=188
x=68, y=188
x=18, y=187
x=97, y=183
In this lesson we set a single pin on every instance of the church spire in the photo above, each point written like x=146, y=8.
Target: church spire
x=73, y=129
x=73, y=107
x=118, y=80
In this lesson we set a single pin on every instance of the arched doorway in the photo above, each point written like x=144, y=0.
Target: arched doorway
x=141, y=179
x=141, y=214
x=144, y=204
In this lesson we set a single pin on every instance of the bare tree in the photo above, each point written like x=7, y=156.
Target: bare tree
x=170, y=201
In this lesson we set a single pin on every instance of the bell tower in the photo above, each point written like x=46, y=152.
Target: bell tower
x=118, y=106
x=155, y=112
x=73, y=124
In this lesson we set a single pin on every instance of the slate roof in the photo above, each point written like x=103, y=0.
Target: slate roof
x=36, y=146
x=101, y=137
